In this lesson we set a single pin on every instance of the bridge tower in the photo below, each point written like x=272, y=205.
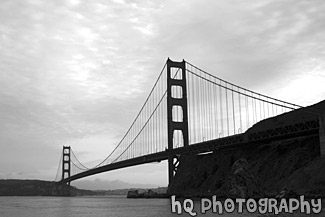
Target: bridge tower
x=176, y=103
x=66, y=163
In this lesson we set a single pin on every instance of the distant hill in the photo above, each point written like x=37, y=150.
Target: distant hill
x=15, y=187
x=99, y=184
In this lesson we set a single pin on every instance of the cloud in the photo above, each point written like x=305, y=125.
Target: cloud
x=77, y=72
x=254, y=42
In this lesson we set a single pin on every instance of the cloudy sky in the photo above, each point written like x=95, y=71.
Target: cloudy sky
x=76, y=72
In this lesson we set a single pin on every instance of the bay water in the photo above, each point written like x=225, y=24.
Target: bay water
x=112, y=206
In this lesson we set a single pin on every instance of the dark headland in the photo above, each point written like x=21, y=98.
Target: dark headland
x=257, y=170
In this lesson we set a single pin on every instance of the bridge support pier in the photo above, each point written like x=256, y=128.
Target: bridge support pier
x=322, y=131
x=173, y=162
x=176, y=83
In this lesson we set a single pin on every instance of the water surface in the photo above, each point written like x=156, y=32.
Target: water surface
x=114, y=206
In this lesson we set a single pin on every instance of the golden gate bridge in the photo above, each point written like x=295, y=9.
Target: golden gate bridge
x=190, y=111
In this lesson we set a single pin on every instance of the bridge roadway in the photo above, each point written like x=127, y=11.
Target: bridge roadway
x=308, y=127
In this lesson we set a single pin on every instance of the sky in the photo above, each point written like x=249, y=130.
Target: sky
x=76, y=72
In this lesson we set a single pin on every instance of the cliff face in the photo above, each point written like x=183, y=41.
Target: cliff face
x=253, y=171
x=243, y=182
x=257, y=170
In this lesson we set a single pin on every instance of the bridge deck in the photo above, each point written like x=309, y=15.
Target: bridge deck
x=308, y=127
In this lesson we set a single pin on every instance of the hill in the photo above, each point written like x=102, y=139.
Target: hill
x=257, y=170
x=15, y=187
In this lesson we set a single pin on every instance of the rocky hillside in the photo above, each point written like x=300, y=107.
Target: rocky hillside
x=256, y=170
